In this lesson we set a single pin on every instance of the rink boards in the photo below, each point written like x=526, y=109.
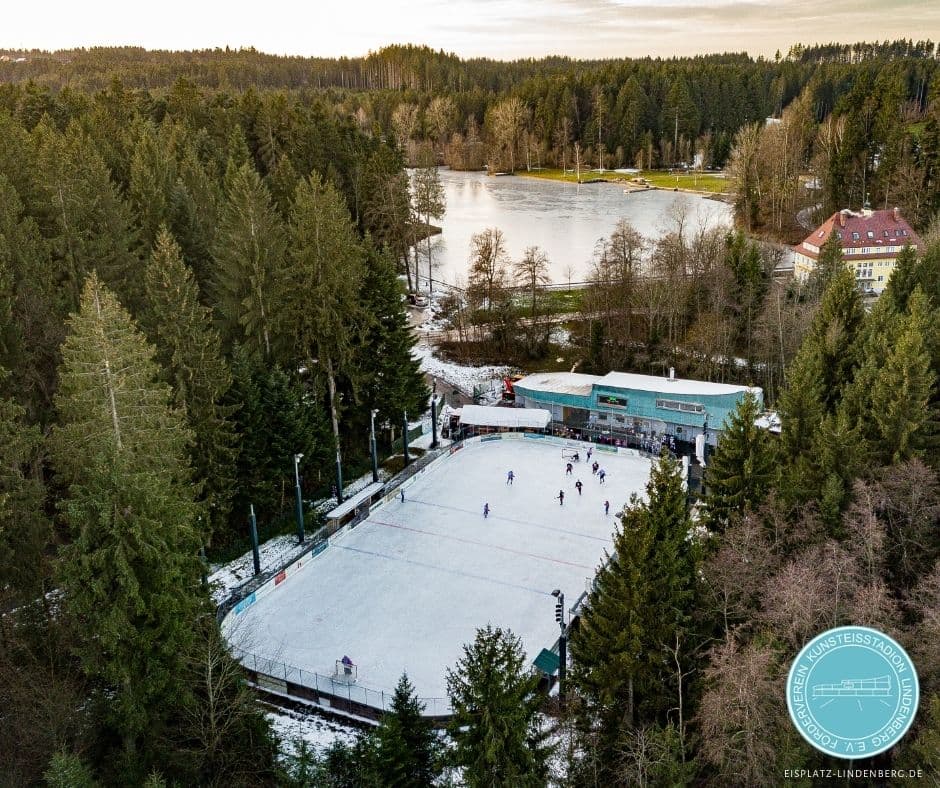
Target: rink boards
x=407, y=587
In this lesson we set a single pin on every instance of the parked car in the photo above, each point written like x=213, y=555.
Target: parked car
x=421, y=300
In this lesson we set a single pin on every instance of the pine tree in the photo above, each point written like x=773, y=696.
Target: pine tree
x=623, y=665
x=189, y=352
x=742, y=469
x=407, y=744
x=495, y=726
x=130, y=574
x=249, y=250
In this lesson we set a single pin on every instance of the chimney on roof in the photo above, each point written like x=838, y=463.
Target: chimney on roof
x=897, y=214
x=672, y=373
x=841, y=218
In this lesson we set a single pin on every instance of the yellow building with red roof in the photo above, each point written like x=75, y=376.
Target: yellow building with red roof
x=870, y=240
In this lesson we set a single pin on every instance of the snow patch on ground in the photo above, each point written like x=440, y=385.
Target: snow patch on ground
x=462, y=377
x=225, y=578
x=293, y=727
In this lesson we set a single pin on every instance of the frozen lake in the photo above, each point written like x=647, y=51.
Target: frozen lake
x=408, y=587
x=565, y=219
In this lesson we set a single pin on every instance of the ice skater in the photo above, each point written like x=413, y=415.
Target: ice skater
x=576, y=457
x=602, y=474
x=594, y=467
x=589, y=453
x=606, y=507
x=509, y=478
x=561, y=497
x=578, y=485
x=402, y=493
x=486, y=510
x=569, y=468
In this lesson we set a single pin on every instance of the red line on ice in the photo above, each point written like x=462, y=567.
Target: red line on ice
x=481, y=544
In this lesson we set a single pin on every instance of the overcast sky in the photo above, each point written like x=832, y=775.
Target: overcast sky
x=503, y=29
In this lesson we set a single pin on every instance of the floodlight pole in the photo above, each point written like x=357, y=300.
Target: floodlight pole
x=404, y=436
x=434, y=414
x=300, y=501
x=562, y=644
x=253, y=522
x=375, y=458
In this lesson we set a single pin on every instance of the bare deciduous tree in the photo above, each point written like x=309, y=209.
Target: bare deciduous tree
x=741, y=712
x=488, y=262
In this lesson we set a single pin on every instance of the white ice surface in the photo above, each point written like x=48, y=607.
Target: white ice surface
x=404, y=590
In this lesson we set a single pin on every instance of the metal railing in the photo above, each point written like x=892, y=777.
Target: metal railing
x=275, y=676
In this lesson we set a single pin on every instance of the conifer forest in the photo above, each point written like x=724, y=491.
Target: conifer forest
x=205, y=265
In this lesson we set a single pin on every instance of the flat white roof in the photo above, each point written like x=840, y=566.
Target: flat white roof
x=559, y=382
x=483, y=416
x=629, y=380
x=354, y=500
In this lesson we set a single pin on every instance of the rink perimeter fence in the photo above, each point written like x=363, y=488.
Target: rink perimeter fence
x=278, y=678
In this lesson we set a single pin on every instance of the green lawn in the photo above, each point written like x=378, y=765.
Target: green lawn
x=699, y=182
x=551, y=302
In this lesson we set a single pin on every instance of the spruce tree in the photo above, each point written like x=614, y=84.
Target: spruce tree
x=824, y=366
x=829, y=264
x=249, y=250
x=495, y=724
x=130, y=573
x=24, y=528
x=32, y=308
x=189, y=353
x=408, y=747
x=903, y=279
x=642, y=599
x=321, y=284
x=390, y=377
x=742, y=469
x=902, y=393
x=86, y=221
x=153, y=182
x=275, y=418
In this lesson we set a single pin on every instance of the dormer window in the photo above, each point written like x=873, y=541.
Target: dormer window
x=855, y=236
x=871, y=234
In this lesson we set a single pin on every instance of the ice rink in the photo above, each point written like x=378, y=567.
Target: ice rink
x=405, y=589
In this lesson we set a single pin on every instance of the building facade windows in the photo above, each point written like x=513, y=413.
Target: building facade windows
x=684, y=407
